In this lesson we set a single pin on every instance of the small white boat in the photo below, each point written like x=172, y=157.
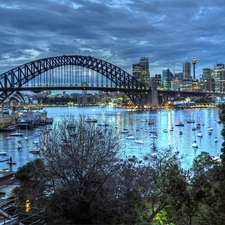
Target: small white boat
x=165, y=131
x=209, y=132
x=35, y=142
x=138, y=141
x=210, y=129
x=215, y=139
x=194, y=144
x=153, y=135
x=3, y=153
x=19, y=145
x=199, y=134
x=16, y=134
x=176, y=151
x=130, y=137
x=26, y=138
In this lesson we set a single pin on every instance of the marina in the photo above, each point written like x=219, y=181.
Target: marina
x=139, y=132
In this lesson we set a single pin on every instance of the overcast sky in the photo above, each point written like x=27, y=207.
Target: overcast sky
x=167, y=32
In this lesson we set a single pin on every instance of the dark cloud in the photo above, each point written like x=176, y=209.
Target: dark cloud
x=120, y=32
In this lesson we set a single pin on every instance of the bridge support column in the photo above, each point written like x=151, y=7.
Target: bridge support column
x=151, y=99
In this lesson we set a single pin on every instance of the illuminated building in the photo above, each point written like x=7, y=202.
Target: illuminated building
x=219, y=77
x=166, y=79
x=141, y=69
x=186, y=71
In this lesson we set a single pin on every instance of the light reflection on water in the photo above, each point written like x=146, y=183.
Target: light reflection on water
x=136, y=123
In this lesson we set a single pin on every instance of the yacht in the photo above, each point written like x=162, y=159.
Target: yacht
x=180, y=124
x=34, y=151
x=138, y=141
x=152, y=135
x=16, y=134
x=19, y=145
x=130, y=137
x=194, y=144
x=3, y=153
x=215, y=139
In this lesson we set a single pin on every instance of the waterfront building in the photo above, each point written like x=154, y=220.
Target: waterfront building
x=186, y=71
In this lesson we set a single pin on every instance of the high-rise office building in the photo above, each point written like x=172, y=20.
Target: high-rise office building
x=166, y=79
x=141, y=69
x=186, y=71
x=145, y=68
x=137, y=71
x=206, y=73
x=218, y=76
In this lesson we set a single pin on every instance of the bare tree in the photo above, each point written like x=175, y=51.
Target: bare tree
x=81, y=163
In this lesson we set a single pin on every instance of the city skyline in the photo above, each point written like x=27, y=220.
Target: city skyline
x=168, y=33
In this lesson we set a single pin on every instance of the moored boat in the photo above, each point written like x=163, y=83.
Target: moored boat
x=180, y=124
x=34, y=151
x=194, y=144
x=16, y=134
x=3, y=153
x=130, y=137
x=138, y=141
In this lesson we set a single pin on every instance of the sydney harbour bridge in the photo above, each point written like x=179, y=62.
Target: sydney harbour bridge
x=76, y=72
x=73, y=72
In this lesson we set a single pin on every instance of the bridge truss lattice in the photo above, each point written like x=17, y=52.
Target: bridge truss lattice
x=71, y=72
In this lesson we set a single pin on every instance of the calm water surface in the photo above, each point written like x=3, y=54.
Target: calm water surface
x=137, y=124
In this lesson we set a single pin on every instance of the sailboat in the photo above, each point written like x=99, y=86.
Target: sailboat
x=26, y=137
x=19, y=144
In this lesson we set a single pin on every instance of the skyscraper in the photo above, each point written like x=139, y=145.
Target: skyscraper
x=145, y=68
x=166, y=80
x=141, y=69
x=218, y=75
x=186, y=71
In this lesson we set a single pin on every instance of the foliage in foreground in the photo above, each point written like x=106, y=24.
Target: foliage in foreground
x=81, y=178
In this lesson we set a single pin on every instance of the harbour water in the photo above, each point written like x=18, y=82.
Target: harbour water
x=137, y=123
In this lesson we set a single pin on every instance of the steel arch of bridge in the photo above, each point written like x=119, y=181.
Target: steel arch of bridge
x=14, y=80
